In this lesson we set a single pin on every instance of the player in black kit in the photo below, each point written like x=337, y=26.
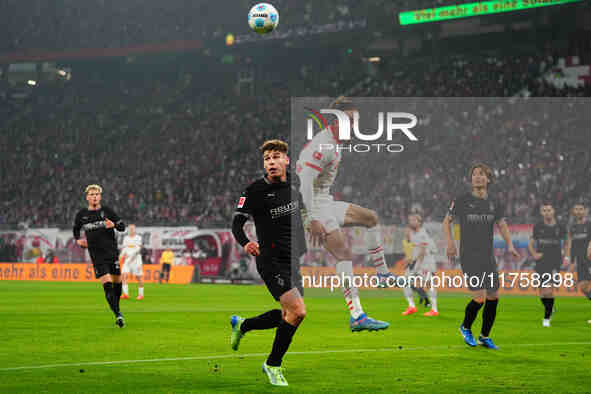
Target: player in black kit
x=545, y=245
x=274, y=204
x=579, y=251
x=98, y=222
x=477, y=212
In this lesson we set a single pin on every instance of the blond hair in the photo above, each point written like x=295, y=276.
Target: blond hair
x=94, y=186
x=274, y=145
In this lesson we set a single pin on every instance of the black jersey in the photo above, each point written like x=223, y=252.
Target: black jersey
x=549, y=239
x=476, y=217
x=580, y=234
x=275, y=209
x=102, y=244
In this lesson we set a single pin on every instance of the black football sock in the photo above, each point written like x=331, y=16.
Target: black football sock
x=117, y=296
x=588, y=294
x=488, y=316
x=422, y=293
x=470, y=314
x=548, y=306
x=108, y=287
x=269, y=319
x=283, y=337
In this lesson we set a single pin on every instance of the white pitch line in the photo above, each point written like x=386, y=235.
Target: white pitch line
x=251, y=355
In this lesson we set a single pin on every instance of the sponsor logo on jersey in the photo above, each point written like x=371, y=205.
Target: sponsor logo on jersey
x=284, y=210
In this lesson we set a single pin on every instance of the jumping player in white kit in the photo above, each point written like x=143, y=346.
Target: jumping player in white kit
x=317, y=169
x=132, y=245
x=422, y=265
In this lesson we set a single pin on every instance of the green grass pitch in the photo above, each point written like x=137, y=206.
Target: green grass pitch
x=61, y=338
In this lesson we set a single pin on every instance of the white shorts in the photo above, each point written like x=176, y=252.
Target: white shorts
x=332, y=214
x=423, y=271
x=133, y=266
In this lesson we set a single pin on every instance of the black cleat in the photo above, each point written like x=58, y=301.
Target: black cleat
x=120, y=321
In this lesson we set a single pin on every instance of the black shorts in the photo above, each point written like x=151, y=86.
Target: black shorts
x=103, y=268
x=165, y=267
x=480, y=273
x=280, y=277
x=583, y=270
x=547, y=268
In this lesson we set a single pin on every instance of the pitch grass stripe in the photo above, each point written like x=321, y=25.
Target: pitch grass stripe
x=251, y=355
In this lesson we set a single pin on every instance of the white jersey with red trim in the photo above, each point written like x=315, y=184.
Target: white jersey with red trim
x=321, y=156
x=422, y=238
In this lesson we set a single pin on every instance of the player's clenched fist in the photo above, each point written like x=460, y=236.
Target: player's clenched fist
x=82, y=243
x=252, y=248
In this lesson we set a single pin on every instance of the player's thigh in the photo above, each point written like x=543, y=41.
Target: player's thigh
x=356, y=215
x=336, y=244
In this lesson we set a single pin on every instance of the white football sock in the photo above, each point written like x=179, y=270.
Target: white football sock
x=140, y=291
x=125, y=289
x=345, y=270
x=375, y=251
x=407, y=291
x=433, y=298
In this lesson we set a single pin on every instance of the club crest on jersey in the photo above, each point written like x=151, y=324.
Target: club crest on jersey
x=241, y=202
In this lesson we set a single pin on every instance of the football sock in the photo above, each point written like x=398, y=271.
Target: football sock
x=351, y=293
x=409, y=297
x=116, y=297
x=419, y=291
x=375, y=251
x=548, y=306
x=140, y=291
x=108, y=287
x=126, y=289
x=283, y=336
x=588, y=294
x=269, y=319
x=433, y=296
x=488, y=316
x=470, y=314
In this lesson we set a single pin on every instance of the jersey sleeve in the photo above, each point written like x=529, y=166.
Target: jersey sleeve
x=77, y=225
x=112, y=216
x=246, y=204
x=563, y=233
x=499, y=211
x=455, y=208
x=245, y=209
x=536, y=232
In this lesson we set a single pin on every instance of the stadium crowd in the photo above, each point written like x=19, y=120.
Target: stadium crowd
x=168, y=153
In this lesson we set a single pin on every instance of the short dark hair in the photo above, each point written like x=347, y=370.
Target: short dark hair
x=547, y=202
x=274, y=145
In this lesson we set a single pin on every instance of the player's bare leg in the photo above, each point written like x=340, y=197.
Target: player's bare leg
x=433, y=299
x=125, y=285
x=140, y=284
x=359, y=216
x=547, y=298
x=335, y=243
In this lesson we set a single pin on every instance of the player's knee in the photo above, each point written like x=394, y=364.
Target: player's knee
x=295, y=315
x=479, y=299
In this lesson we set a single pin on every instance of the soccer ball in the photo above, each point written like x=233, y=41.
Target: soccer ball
x=263, y=18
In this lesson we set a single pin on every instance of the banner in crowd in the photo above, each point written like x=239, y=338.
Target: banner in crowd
x=214, y=250
x=83, y=273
